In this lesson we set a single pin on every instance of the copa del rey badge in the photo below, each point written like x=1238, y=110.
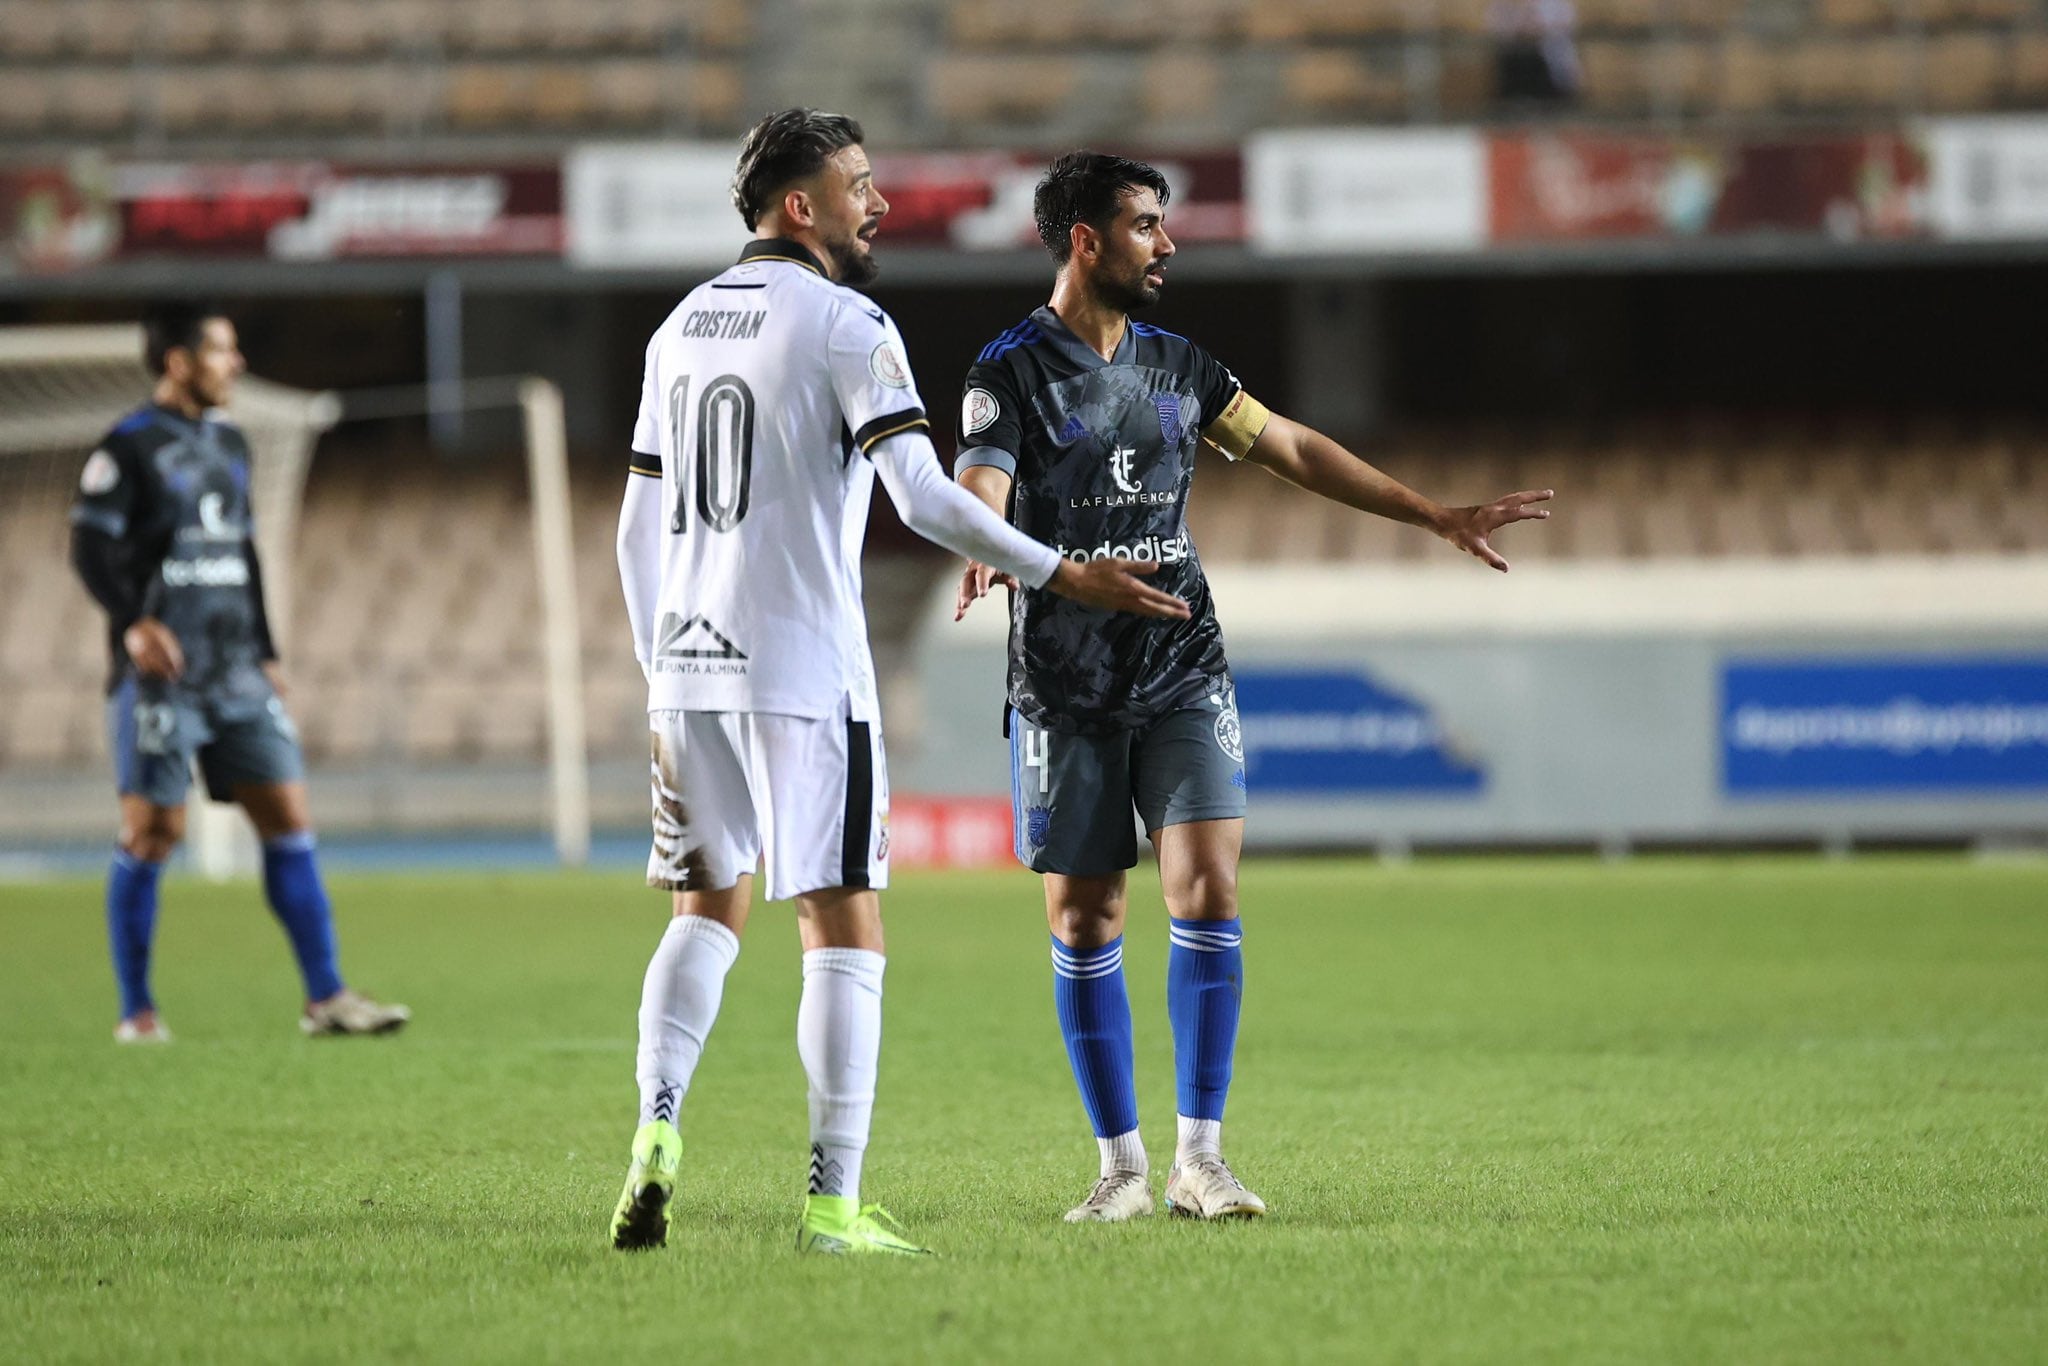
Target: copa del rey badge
x=885, y=363
x=978, y=410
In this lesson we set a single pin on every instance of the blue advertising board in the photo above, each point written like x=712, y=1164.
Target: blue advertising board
x=1882, y=725
x=1330, y=730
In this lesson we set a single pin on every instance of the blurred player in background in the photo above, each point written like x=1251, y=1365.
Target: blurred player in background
x=1084, y=424
x=161, y=535
x=772, y=396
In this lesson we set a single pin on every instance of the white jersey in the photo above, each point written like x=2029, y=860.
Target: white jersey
x=764, y=390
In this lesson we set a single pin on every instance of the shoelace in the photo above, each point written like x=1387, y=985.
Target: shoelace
x=1216, y=1166
x=1104, y=1185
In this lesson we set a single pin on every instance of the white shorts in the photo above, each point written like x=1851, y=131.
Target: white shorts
x=809, y=794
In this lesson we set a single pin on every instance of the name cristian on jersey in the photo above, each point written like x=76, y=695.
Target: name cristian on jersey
x=724, y=324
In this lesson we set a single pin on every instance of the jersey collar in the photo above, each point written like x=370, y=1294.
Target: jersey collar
x=782, y=249
x=1081, y=352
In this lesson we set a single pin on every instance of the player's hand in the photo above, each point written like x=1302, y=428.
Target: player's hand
x=154, y=648
x=975, y=581
x=1115, y=586
x=1468, y=528
x=274, y=671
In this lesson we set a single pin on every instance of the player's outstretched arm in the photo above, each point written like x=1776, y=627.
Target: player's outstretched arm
x=1307, y=459
x=1111, y=585
x=992, y=486
x=948, y=516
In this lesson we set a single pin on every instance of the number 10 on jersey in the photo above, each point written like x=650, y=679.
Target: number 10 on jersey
x=721, y=474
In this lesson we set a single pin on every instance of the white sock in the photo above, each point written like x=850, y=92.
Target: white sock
x=840, y=1041
x=678, y=1002
x=1124, y=1153
x=839, y=1037
x=1198, y=1138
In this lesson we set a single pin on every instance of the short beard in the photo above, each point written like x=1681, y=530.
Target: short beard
x=850, y=264
x=1127, y=296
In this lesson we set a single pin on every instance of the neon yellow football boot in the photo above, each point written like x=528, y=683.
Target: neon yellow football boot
x=641, y=1219
x=838, y=1225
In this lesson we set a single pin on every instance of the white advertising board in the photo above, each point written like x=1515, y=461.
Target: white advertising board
x=1316, y=191
x=636, y=205
x=1988, y=177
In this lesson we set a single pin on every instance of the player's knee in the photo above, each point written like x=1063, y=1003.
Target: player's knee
x=1086, y=923
x=1204, y=893
x=154, y=834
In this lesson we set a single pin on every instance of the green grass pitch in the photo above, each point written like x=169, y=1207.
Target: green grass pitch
x=1530, y=1111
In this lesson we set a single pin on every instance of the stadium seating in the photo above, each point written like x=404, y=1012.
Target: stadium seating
x=274, y=72
x=409, y=640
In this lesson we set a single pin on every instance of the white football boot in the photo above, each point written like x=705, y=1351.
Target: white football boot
x=351, y=1012
x=1204, y=1187
x=152, y=1030
x=1116, y=1197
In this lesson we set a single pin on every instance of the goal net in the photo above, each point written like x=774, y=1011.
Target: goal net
x=344, y=611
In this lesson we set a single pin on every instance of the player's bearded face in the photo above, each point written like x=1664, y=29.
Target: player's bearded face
x=1135, y=250
x=849, y=213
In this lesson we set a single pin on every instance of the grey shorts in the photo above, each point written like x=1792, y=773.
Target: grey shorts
x=155, y=736
x=1072, y=796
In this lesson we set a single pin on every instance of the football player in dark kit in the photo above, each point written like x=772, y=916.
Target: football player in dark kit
x=161, y=534
x=1083, y=423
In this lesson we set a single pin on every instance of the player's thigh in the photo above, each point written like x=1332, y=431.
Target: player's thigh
x=706, y=835
x=152, y=735
x=1070, y=797
x=822, y=787
x=254, y=760
x=1188, y=765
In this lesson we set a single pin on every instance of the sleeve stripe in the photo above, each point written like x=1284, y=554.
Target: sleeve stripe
x=645, y=462
x=889, y=424
x=652, y=474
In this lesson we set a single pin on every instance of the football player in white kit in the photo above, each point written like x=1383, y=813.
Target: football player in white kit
x=773, y=395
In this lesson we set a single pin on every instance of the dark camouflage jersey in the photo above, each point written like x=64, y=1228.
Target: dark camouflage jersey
x=1102, y=453
x=172, y=494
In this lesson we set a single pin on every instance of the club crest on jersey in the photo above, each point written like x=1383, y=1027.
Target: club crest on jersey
x=1169, y=416
x=885, y=363
x=1120, y=461
x=1229, y=730
x=100, y=474
x=979, y=411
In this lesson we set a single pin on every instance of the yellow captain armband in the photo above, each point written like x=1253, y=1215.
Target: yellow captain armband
x=1238, y=426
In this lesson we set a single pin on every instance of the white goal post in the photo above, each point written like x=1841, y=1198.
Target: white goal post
x=62, y=387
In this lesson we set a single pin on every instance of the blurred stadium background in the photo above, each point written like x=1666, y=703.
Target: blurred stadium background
x=1756, y=285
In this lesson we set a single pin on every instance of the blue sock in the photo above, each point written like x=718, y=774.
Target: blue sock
x=291, y=881
x=131, y=927
x=1095, y=1018
x=1204, y=987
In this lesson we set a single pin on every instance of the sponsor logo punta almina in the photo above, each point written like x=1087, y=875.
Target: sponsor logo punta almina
x=1147, y=550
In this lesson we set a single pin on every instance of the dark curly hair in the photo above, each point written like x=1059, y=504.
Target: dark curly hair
x=1084, y=187
x=178, y=323
x=786, y=147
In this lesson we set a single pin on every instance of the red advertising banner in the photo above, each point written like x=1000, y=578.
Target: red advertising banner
x=1574, y=185
x=950, y=832
x=315, y=211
